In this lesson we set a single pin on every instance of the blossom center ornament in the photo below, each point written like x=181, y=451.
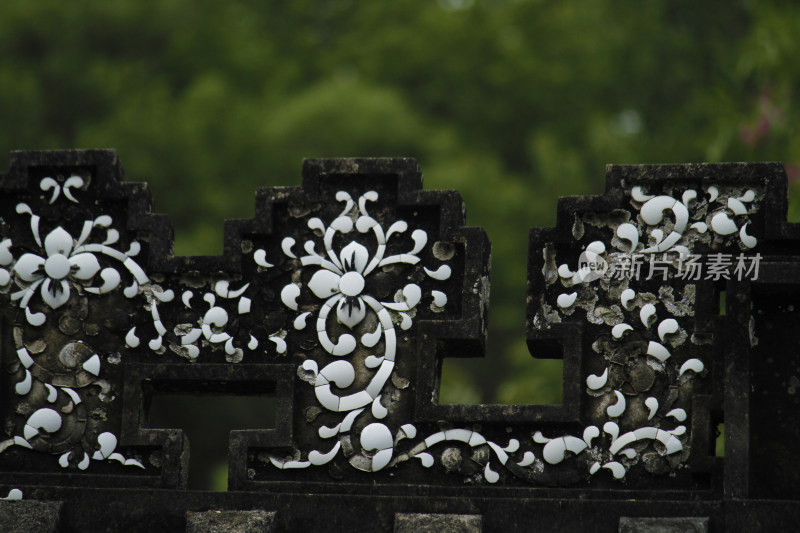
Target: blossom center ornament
x=351, y=284
x=57, y=266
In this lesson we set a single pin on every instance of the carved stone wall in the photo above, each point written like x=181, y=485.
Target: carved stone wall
x=342, y=297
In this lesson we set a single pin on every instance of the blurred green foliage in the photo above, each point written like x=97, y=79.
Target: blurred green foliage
x=512, y=102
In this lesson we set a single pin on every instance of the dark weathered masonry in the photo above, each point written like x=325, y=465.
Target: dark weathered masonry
x=340, y=299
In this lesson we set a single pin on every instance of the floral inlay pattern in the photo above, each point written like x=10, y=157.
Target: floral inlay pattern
x=343, y=310
x=59, y=268
x=339, y=283
x=648, y=334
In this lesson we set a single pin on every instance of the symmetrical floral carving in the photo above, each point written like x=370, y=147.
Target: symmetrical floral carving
x=339, y=283
x=646, y=350
x=60, y=268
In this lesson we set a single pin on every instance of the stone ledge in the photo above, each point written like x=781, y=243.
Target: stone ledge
x=434, y=523
x=30, y=516
x=683, y=524
x=229, y=522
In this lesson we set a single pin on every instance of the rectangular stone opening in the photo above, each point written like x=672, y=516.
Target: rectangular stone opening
x=207, y=421
x=775, y=388
x=537, y=382
x=719, y=443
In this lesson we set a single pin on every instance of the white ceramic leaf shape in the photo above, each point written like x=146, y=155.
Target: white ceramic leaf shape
x=289, y=296
x=376, y=436
x=722, y=225
x=324, y=283
x=566, y=300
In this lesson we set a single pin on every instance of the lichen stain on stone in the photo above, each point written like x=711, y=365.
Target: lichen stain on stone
x=443, y=251
x=682, y=307
x=611, y=219
x=577, y=228
x=549, y=269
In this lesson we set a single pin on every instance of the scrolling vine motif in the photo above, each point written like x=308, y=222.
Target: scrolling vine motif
x=55, y=381
x=637, y=353
x=340, y=283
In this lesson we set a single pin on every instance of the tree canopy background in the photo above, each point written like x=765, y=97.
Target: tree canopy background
x=512, y=102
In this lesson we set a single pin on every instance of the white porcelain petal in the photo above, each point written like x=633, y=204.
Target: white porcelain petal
x=107, y=442
x=653, y=210
x=420, y=240
x=58, y=241
x=5, y=252
x=289, y=296
x=695, y=365
x=630, y=233
x=425, y=458
x=351, y=311
x=647, y=312
x=749, y=196
x=596, y=247
x=747, y=240
x=87, y=265
x=617, y=470
x=626, y=297
x=439, y=298
x=619, y=330
x=441, y=273
x=553, y=452
x=667, y=327
x=736, y=206
x=376, y=436
x=412, y=293
x=617, y=408
x=46, y=419
x=55, y=293
x=381, y=459
x=28, y=267
x=681, y=217
x=652, y=406
x=324, y=283
x=658, y=350
x=589, y=434
x=595, y=382
x=92, y=365
x=639, y=195
x=354, y=256
x=723, y=225
x=566, y=300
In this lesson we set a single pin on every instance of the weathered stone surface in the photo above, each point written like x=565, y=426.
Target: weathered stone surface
x=24, y=516
x=342, y=297
x=692, y=524
x=436, y=523
x=230, y=522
